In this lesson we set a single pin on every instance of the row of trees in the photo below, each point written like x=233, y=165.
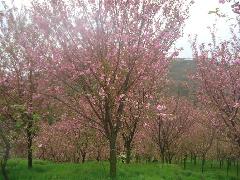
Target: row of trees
x=176, y=135
x=86, y=78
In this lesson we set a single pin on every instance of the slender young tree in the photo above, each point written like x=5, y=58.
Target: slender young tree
x=137, y=107
x=20, y=60
x=132, y=119
x=7, y=127
x=168, y=121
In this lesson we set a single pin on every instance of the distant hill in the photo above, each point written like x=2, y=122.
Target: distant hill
x=179, y=72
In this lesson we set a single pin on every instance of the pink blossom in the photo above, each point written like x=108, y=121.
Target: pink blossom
x=161, y=107
x=222, y=1
x=236, y=105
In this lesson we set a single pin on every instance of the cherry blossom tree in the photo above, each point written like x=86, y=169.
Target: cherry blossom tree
x=203, y=134
x=218, y=79
x=7, y=126
x=20, y=60
x=99, y=51
x=67, y=140
x=168, y=122
x=137, y=106
x=131, y=120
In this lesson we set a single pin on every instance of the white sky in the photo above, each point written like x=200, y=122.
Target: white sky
x=200, y=20
x=197, y=23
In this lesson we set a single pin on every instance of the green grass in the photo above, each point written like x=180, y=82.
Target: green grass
x=45, y=170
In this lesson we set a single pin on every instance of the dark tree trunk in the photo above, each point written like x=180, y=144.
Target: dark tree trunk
x=128, y=151
x=203, y=163
x=169, y=158
x=4, y=163
x=98, y=158
x=195, y=160
x=137, y=158
x=30, y=123
x=83, y=157
x=221, y=163
x=5, y=156
x=29, y=144
x=98, y=155
x=113, y=159
x=4, y=172
x=163, y=157
x=211, y=164
x=128, y=138
x=191, y=158
x=237, y=169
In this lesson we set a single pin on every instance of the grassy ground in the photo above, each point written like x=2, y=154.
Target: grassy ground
x=44, y=170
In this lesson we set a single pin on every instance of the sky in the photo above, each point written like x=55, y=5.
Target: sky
x=200, y=20
x=197, y=24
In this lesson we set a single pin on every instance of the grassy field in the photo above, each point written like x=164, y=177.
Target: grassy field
x=44, y=170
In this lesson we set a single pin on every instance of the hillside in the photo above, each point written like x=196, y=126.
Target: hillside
x=179, y=72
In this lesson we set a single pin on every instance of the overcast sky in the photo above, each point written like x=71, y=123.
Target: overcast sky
x=200, y=20
x=197, y=23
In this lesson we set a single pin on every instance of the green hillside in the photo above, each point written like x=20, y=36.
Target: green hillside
x=179, y=73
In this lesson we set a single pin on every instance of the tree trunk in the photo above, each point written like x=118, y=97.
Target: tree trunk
x=170, y=160
x=191, y=158
x=163, y=158
x=113, y=159
x=195, y=160
x=128, y=152
x=29, y=144
x=4, y=163
x=237, y=168
x=137, y=158
x=203, y=163
x=30, y=116
x=83, y=157
x=5, y=156
x=98, y=155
